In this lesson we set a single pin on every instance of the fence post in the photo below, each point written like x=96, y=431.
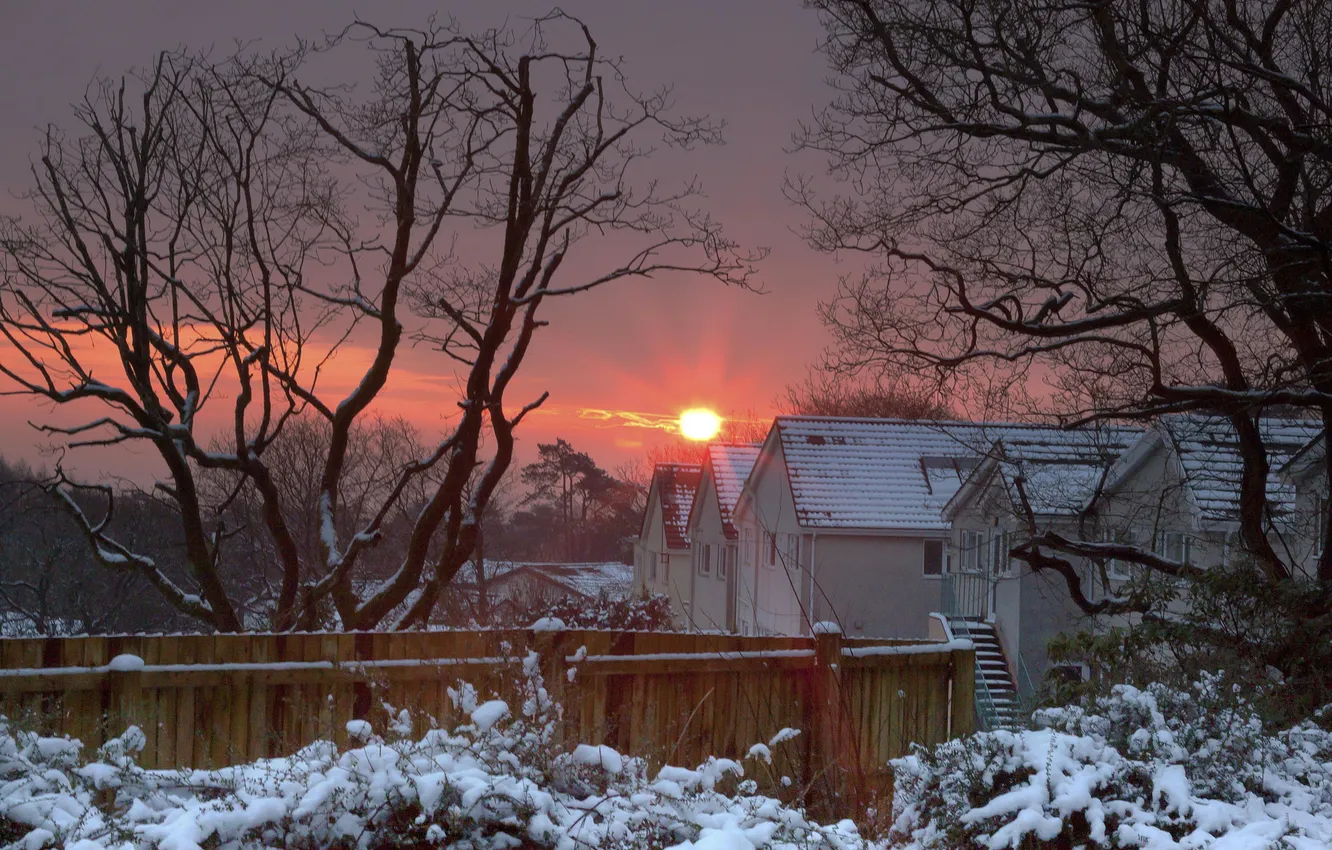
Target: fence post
x=550, y=645
x=829, y=720
x=962, y=718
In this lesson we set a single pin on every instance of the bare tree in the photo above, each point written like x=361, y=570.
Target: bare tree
x=218, y=230
x=834, y=393
x=1133, y=201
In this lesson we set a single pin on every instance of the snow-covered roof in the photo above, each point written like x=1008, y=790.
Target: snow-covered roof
x=730, y=465
x=1061, y=470
x=676, y=484
x=1209, y=456
x=589, y=579
x=885, y=474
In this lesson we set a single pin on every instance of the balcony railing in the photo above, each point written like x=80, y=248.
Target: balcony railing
x=966, y=595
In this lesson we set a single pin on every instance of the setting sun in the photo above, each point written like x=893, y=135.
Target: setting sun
x=699, y=424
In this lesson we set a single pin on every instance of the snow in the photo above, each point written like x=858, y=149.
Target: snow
x=501, y=782
x=827, y=627
x=888, y=474
x=908, y=649
x=489, y=713
x=125, y=663
x=675, y=485
x=549, y=624
x=730, y=465
x=1151, y=768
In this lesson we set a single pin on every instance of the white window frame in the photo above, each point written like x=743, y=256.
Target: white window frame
x=996, y=554
x=971, y=546
x=651, y=558
x=747, y=533
x=1168, y=540
x=769, y=553
x=705, y=559
x=924, y=559
x=665, y=560
x=791, y=552
x=725, y=562
x=1115, y=569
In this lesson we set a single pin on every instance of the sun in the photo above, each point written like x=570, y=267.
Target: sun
x=699, y=424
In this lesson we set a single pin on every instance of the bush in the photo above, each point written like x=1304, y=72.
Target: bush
x=1157, y=768
x=497, y=781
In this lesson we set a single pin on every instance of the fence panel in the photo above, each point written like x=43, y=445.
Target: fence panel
x=213, y=700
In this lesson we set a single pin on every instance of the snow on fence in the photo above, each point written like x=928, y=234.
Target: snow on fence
x=214, y=700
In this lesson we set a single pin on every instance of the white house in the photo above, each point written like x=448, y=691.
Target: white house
x=713, y=537
x=662, y=553
x=1046, y=477
x=1177, y=490
x=1306, y=471
x=840, y=520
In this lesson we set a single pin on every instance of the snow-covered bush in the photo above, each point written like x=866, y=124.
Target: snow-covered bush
x=1153, y=768
x=497, y=781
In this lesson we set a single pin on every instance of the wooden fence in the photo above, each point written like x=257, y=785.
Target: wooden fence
x=213, y=700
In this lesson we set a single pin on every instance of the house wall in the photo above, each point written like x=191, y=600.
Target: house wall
x=873, y=585
x=768, y=597
x=671, y=580
x=1299, y=542
x=709, y=592
x=1029, y=608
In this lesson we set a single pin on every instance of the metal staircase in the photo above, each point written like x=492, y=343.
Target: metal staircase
x=996, y=695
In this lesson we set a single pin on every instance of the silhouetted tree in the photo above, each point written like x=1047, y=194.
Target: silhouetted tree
x=213, y=232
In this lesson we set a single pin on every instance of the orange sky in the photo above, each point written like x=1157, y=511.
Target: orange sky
x=649, y=347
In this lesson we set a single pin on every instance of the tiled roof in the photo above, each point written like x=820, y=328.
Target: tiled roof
x=731, y=465
x=589, y=579
x=676, y=485
x=1209, y=457
x=1061, y=471
x=883, y=473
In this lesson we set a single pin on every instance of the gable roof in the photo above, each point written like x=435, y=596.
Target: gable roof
x=1207, y=450
x=883, y=474
x=728, y=466
x=586, y=579
x=1062, y=470
x=675, y=485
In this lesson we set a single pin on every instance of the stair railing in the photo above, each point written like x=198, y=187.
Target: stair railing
x=987, y=710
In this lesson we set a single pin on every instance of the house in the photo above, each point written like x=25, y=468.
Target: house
x=713, y=537
x=840, y=520
x=1046, y=478
x=662, y=554
x=507, y=592
x=1306, y=472
x=1177, y=490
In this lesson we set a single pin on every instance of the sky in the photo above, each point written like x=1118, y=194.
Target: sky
x=653, y=347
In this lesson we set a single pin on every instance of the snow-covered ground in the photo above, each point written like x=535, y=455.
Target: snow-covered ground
x=1146, y=768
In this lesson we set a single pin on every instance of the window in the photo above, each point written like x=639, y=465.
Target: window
x=748, y=535
x=1175, y=546
x=972, y=546
x=651, y=565
x=792, y=554
x=705, y=559
x=934, y=558
x=770, y=549
x=1115, y=569
x=665, y=566
x=726, y=561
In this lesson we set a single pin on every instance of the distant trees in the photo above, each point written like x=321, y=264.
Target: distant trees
x=210, y=234
x=832, y=393
x=50, y=583
x=574, y=509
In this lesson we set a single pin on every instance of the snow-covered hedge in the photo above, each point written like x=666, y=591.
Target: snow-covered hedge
x=1150, y=768
x=496, y=782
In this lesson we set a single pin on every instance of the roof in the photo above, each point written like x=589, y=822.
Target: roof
x=1211, y=465
x=587, y=579
x=1061, y=470
x=1308, y=459
x=676, y=484
x=885, y=474
x=729, y=464
x=1208, y=452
